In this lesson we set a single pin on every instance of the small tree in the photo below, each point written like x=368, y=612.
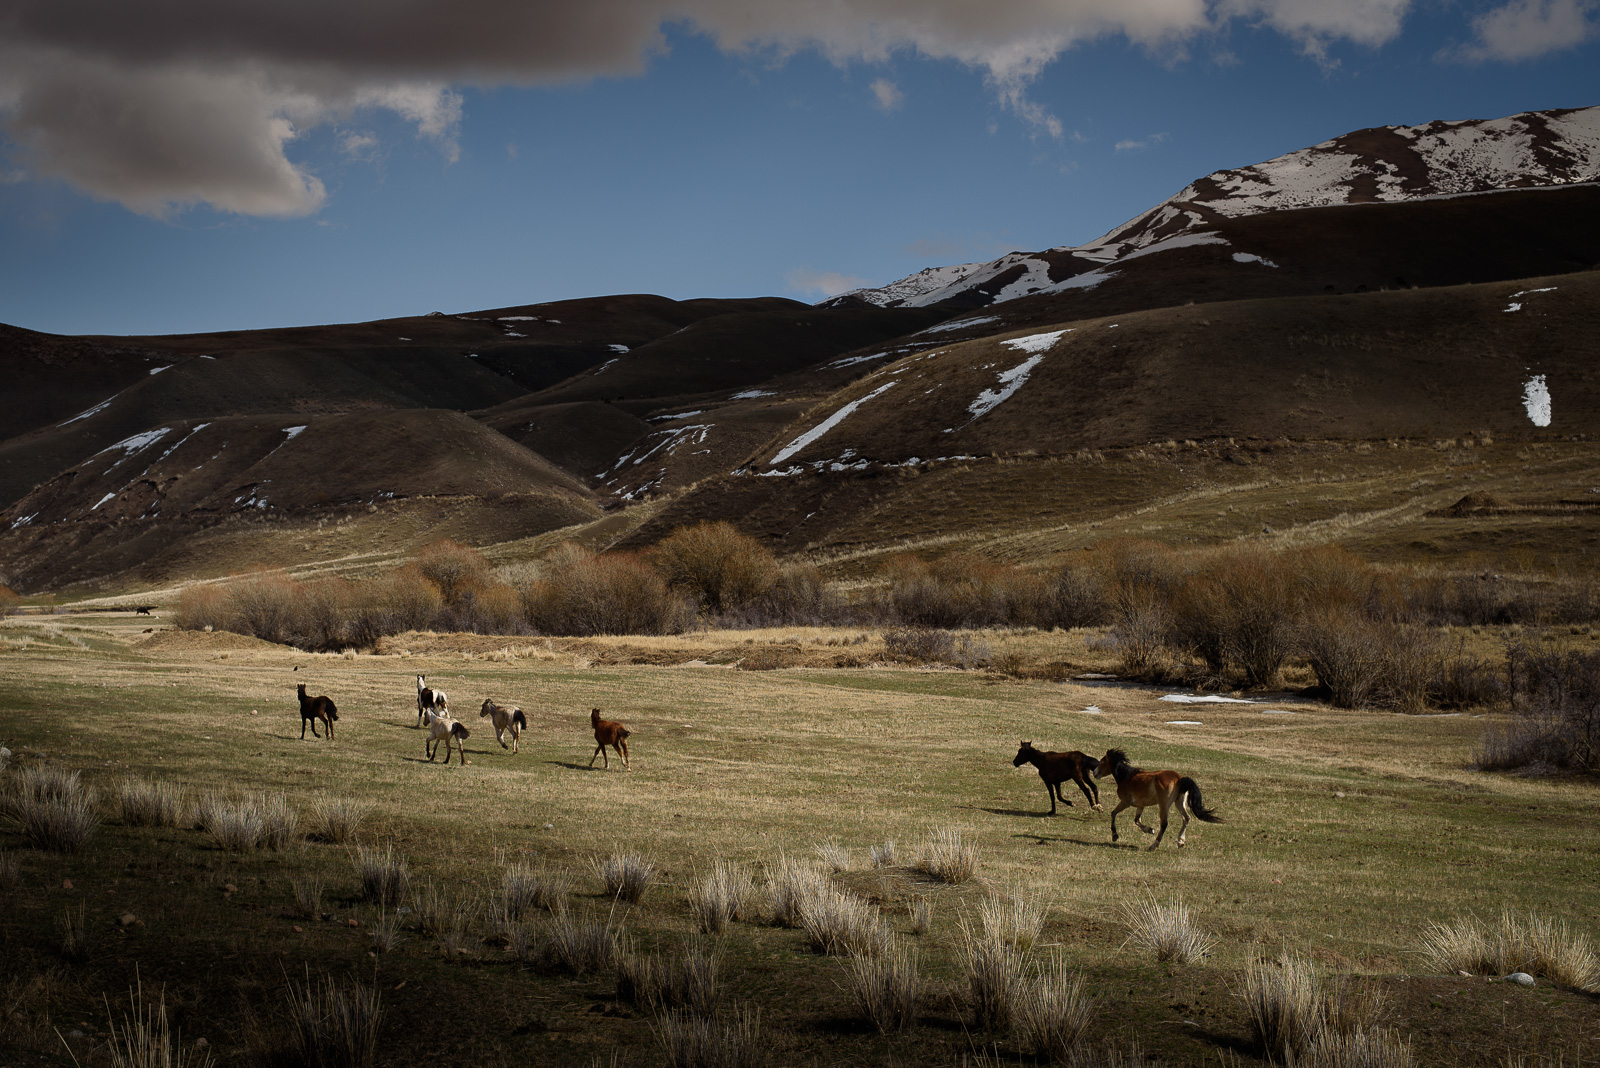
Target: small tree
x=717, y=565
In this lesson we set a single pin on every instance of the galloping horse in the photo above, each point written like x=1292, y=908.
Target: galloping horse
x=1057, y=768
x=507, y=719
x=430, y=700
x=442, y=728
x=1139, y=789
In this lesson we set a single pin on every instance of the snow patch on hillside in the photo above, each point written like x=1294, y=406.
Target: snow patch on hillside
x=826, y=425
x=1036, y=342
x=1010, y=381
x=1251, y=257
x=1536, y=400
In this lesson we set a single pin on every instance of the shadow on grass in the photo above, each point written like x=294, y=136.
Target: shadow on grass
x=1030, y=814
x=574, y=767
x=1105, y=843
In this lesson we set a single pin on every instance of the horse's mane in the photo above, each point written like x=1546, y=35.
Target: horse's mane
x=1117, y=756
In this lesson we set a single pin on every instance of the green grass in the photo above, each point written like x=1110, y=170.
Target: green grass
x=1347, y=833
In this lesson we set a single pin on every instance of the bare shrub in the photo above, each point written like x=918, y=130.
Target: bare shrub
x=994, y=969
x=337, y=819
x=265, y=604
x=1555, y=711
x=1284, y=1005
x=947, y=857
x=147, y=1040
x=206, y=607
x=626, y=876
x=384, y=877
x=618, y=593
x=453, y=568
x=404, y=599
x=835, y=857
x=886, y=988
x=73, y=926
x=799, y=597
x=1052, y=1012
x=1345, y=650
x=720, y=568
x=1167, y=930
x=1075, y=596
x=691, y=1041
x=789, y=883
x=1237, y=612
x=525, y=887
x=721, y=896
x=334, y=1024
x=1016, y=918
x=1140, y=624
x=10, y=601
x=151, y=803
x=307, y=895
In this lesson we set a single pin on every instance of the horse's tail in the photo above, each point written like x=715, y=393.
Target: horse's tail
x=624, y=732
x=459, y=730
x=333, y=711
x=1188, y=786
x=520, y=720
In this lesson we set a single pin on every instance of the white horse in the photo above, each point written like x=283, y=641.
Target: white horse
x=505, y=719
x=429, y=700
x=443, y=728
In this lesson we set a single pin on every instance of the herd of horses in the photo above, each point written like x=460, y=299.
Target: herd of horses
x=1136, y=788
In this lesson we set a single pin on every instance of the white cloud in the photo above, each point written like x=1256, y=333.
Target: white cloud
x=1131, y=145
x=1528, y=29
x=358, y=145
x=888, y=94
x=823, y=283
x=161, y=106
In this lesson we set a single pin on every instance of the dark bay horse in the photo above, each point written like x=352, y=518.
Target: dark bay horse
x=1057, y=768
x=608, y=732
x=1139, y=789
x=313, y=709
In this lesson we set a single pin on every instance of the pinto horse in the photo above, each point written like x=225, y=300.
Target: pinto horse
x=1057, y=768
x=608, y=732
x=430, y=700
x=1139, y=789
x=313, y=709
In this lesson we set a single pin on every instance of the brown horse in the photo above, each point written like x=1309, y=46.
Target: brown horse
x=1139, y=789
x=1057, y=768
x=608, y=732
x=313, y=709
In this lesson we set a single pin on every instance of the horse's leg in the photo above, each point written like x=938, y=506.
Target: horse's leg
x=623, y=743
x=329, y=722
x=303, y=722
x=1138, y=817
x=1094, y=798
x=1165, y=801
x=1051, y=791
x=1120, y=806
x=600, y=751
x=1183, y=807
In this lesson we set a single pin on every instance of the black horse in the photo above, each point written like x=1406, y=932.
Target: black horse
x=313, y=709
x=1057, y=768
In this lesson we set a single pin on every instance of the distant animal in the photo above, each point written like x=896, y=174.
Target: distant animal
x=443, y=728
x=145, y=610
x=313, y=709
x=430, y=700
x=609, y=732
x=1139, y=789
x=506, y=720
x=1057, y=768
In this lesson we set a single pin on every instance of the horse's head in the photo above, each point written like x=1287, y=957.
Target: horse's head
x=422, y=682
x=1025, y=754
x=301, y=690
x=488, y=708
x=1110, y=762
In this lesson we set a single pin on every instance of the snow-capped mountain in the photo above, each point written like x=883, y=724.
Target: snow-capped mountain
x=1384, y=164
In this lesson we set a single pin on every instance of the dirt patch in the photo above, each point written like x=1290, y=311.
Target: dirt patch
x=178, y=641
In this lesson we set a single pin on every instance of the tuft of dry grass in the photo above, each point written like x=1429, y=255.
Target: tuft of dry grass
x=147, y=1039
x=525, y=887
x=842, y=924
x=686, y=980
x=1381, y=1048
x=789, y=882
x=1017, y=918
x=733, y=1041
x=946, y=856
x=337, y=819
x=580, y=946
x=883, y=855
x=721, y=896
x=1168, y=931
x=307, y=895
x=384, y=876
x=334, y=1024
x=887, y=988
x=151, y=803
x=1052, y=1013
x=10, y=869
x=921, y=915
x=626, y=876
x=994, y=970
x=1284, y=1005
x=280, y=824
x=46, y=782
x=236, y=826
x=835, y=857
x=385, y=933
x=62, y=825
x=73, y=925
x=1535, y=944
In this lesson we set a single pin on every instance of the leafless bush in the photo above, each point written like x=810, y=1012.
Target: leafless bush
x=147, y=1039
x=525, y=887
x=151, y=803
x=886, y=988
x=719, y=567
x=73, y=926
x=691, y=1041
x=206, y=608
x=1075, y=596
x=265, y=605
x=334, y=1024
x=338, y=819
x=799, y=597
x=1555, y=711
x=384, y=877
x=1236, y=611
x=453, y=568
x=1052, y=1012
x=721, y=896
x=995, y=977
x=1167, y=930
x=1346, y=650
x=617, y=593
x=1140, y=624
x=947, y=857
x=1284, y=1005
x=626, y=876
x=307, y=895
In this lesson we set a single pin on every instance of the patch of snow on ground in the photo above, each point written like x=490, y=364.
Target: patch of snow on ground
x=960, y=324
x=24, y=521
x=158, y=370
x=848, y=360
x=292, y=431
x=1184, y=723
x=1513, y=306
x=1524, y=292
x=102, y=500
x=1536, y=400
x=142, y=440
x=1010, y=382
x=619, y=348
x=1086, y=280
x=676, y=415
x=513, y=333
x=1251, y=257
x=1181, y=241
x=1093, y=710
x=88, y=412
x=752, y=394
x=792, y=469
x=1035, y=277
x=521, y=319
x=1205, y=699
x=603, y=366
x=826, y=425
x=403, y=339
x=1036, y=342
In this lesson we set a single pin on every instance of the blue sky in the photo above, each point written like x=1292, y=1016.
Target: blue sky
x=791, y=165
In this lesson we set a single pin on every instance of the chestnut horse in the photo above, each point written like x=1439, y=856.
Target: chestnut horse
x=608, y=732
x=1139, y=789
x=1057, y=768
x=313, y=709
